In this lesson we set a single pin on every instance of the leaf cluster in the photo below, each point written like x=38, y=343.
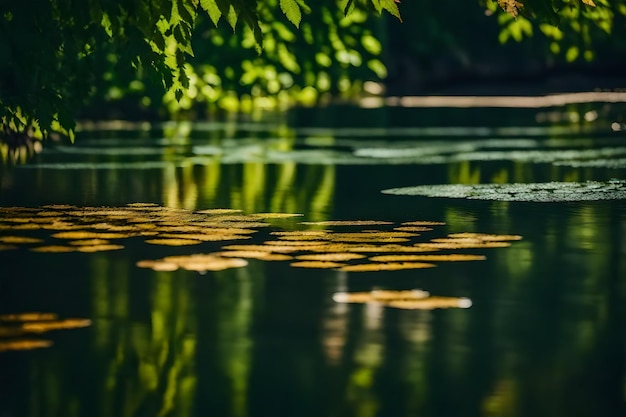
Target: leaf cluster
x=572, y=26
x=53, y=52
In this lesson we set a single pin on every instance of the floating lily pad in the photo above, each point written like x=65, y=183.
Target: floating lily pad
x=333, y=257
x=19, y=239
x=532, y=192
x=252, y=254
x=432, y=303
x=317, y=264
x=99, y=248
x=173, y=242
x=428, y=258
x=54, y=249
x=89, y=242
x=30, y=316
x=386, y=266
x=484, y=236
x=407, y=299
x=24, y=344
x=379, y=296
x=347, y=223
x=46, y=326
x=14, y=326
x=196, y=262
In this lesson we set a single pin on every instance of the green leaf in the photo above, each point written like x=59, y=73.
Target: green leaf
x=291, y=9
x=348, y=7
x=391, y=7
x=214, y=12
x=232, y=17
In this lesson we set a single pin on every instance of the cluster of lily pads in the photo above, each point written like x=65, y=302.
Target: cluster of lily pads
x=350, y=246
x=313, y=245
x=17, y=330
x=530, y=192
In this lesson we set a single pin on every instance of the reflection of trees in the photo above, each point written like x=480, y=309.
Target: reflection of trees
x=541, y=338
x=195, y=182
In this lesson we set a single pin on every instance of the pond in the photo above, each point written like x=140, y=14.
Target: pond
x=288, y=266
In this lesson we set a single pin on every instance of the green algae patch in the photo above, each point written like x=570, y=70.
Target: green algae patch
x=531, y=192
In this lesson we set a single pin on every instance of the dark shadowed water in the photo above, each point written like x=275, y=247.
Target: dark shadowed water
x=544, y=335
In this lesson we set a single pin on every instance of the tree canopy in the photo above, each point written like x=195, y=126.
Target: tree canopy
x=56, y=55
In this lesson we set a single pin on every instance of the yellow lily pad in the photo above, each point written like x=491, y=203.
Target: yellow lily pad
x=173, y=242
x=387, y=266
x=333, y=257
x=19, y=239
x=99, y=248
x=428, y=258
x=317, y=264
x=53, y=249
x=347, y=223
x=24, y=344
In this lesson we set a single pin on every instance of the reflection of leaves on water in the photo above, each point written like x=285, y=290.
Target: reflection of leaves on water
x=531, y=192
x=406, y=299
x=14, y=327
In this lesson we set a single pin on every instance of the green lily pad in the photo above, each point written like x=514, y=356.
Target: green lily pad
x=533, y=192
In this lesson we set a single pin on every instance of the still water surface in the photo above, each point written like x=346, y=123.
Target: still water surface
x=544, y=336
